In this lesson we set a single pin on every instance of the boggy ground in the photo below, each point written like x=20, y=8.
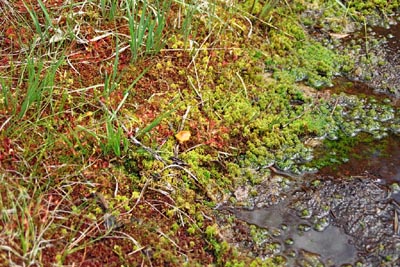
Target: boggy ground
x=93, y=172
x=324, y=221
x=346, y=214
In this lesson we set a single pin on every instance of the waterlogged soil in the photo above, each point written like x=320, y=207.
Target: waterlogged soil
x=321, y=220
x=378, y=58
x=346, y=214
x=380, y=158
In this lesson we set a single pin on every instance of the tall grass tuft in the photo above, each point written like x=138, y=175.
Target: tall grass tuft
x=146, y=25
x=40, y=83
x=109, y=8
x=187, y=25
x=19, y=213
x=35, y=18
x=115, y=139
x=111, y=81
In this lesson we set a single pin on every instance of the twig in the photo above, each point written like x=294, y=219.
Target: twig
x=251, y=27
x=334, y=107
x=182, y=168
x=263, y=21
x=141, y=194
x=135, y=251
x=194, y=87
x=134, y=241
x=172, y=241
x=148, y=149
x=243, y=84
x=200, y=49
x=72, y=66
x=151, y=205
x=165, y=193
x=116, y=186
x=4, y=123
x=193, y=147
x=184, y=118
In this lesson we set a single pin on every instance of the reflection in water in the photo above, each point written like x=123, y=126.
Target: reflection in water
x=332, y=245
x=380, y=158
x=375, y=159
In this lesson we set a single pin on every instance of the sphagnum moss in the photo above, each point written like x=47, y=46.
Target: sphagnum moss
x=161, y=191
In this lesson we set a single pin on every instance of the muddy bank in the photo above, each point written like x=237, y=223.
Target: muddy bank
x=319, y=221
x=347, y=214
x=377, y=60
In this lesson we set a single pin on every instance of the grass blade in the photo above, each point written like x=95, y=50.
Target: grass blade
x=155, y=122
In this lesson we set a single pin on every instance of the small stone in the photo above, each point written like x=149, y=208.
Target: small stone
x=242, y=193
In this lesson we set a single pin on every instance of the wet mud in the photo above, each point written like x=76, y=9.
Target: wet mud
x=362, y=89
x=293, y=236
x=322, y=221
x=378, y=58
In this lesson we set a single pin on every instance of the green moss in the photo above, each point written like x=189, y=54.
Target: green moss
x=370, y=7
x=241, y=119
x=313, y=63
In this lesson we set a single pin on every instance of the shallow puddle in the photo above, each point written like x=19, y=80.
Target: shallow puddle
x=378, y=62
x=392, y=35
x=379, y=158
x=296, y=240
x=333, y=245
x=360, y=89
x=327, y=222
x=345, y=215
